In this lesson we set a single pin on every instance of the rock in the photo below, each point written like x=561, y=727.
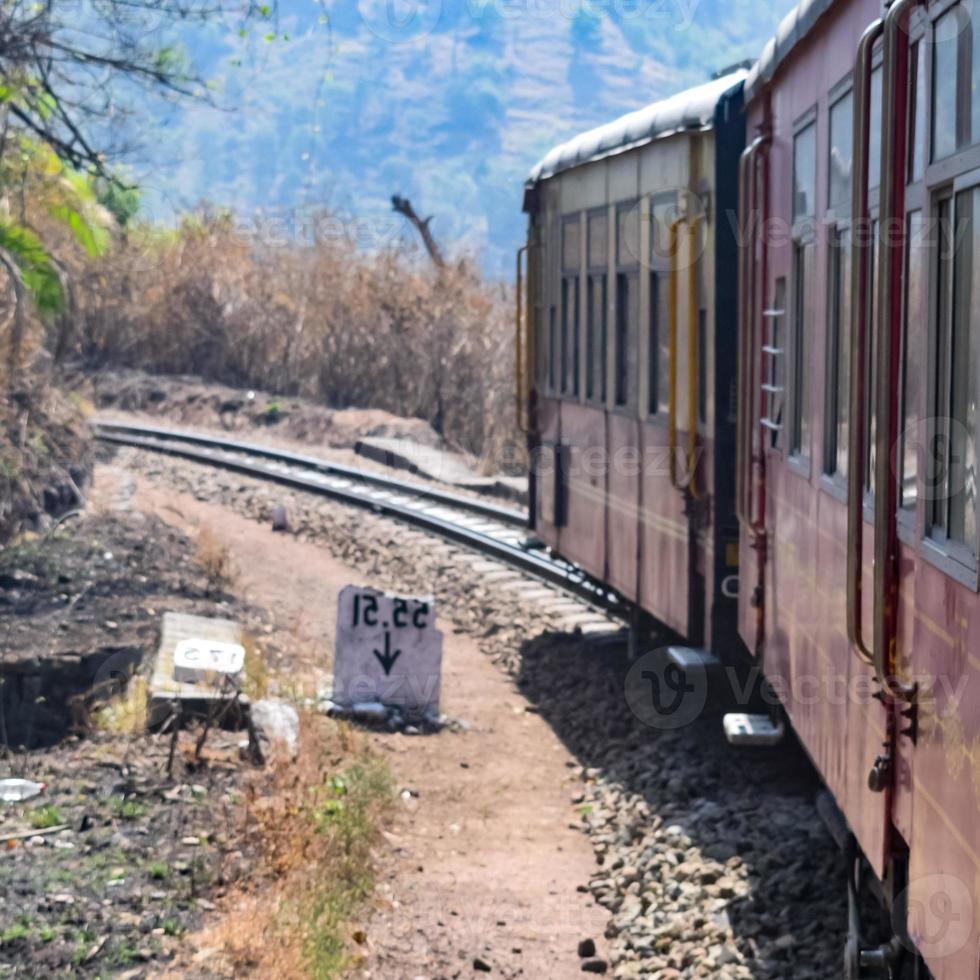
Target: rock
x=594, y=966
x=277, y=721
x=481, y=966
x=586, y=948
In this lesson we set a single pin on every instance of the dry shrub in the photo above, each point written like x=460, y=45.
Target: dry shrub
x=318, y=822
x=323, y=320
x=215, y=561
x=127, y=714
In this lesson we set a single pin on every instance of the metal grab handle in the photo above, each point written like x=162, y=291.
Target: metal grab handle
x=748, y=186
x=672, y=355
x=894, y=132
x=860, y=277
x=519, y=358
x=743, y=442
x=692, y=355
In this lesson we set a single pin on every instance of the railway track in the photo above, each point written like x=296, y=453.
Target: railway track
x=485, y=527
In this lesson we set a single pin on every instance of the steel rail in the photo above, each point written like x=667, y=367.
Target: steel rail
x=112, y=431
x=389, y=497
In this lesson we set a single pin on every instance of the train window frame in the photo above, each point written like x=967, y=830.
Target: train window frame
x=597, y=273
x=949, y=555
x=658, y=269
x=960, y=160
x=567, y=371
x=838, y=222
x=799, y=397
x=625, y=401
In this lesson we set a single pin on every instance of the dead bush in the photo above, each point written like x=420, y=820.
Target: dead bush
x=321, y=320
x=215, y=561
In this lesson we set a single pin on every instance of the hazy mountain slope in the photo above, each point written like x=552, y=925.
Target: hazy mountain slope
x=447, y=101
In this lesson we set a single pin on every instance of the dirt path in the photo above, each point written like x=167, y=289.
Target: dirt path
x=482, y=865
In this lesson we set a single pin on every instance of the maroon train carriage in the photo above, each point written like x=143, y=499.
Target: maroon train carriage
x=631, y=350
x=856, y=573
x=858, y=463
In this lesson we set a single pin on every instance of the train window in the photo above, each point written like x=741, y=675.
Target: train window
x=956, y=71
x=552, y=348
x=805, y=172
x=917, y=123
x=596, y=331
x=803, y=270
x=953, y=479
x=598, y=240
x=841, y=152
x=569, y=335
x=659, y=351
x=871, y=368
x=838, y=354
x=628, y=234
x=912, y=359
x=571, y=256
x=874, y=130
x=627, y=315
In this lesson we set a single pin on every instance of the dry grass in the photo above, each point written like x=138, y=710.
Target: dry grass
x=214, y=559
x=319, y=823
x=323, y=321
x=127, y=714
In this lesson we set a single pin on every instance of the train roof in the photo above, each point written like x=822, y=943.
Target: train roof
x=793, y=28
x=689, y=110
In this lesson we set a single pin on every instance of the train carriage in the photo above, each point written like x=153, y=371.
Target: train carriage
x=857, y=475
x=811, y=503
x=632, y=323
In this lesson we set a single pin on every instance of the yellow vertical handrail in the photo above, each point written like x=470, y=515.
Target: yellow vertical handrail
x=687, y=485
x=693, y=353
x=672, y=355
x=519, y=379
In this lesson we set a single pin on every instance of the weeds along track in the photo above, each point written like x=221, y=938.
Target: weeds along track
x=482, y=526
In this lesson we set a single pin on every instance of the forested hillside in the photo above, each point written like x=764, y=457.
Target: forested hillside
x=340, y=105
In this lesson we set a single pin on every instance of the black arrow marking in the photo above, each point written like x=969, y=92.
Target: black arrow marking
x=387, y=659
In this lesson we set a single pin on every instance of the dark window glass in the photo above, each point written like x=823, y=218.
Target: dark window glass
x=838, y=354
x=917, y=124
x=802, y=326
x=956, y=73
x=871, y=368
x=627, y=316
x=841, y=152
x=805, y=172
x=598, y=240
x=912, y=360
x=552, y=349
x=628, y=234
x=962, y=481
x=569, y=334
x=570, y=245
x=596, y=364
x=874, y=130
x=658, y=352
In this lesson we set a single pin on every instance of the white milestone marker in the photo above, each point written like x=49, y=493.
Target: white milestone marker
x=388, y=651
x=207, y=661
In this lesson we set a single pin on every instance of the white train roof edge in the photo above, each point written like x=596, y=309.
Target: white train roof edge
x=691, y=109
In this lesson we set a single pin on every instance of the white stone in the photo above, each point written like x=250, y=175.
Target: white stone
x=388, y=651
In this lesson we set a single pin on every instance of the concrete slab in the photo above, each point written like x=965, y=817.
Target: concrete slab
x=179, y=627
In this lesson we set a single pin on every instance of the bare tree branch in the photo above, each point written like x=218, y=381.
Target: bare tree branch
x=404, y=206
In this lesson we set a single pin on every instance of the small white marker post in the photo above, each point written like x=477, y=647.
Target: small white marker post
x=388, y=652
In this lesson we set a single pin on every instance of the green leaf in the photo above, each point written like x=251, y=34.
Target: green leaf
x=36, y=270
x=92, y=236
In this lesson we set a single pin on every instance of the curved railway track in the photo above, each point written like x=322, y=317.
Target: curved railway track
x=485, y=527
